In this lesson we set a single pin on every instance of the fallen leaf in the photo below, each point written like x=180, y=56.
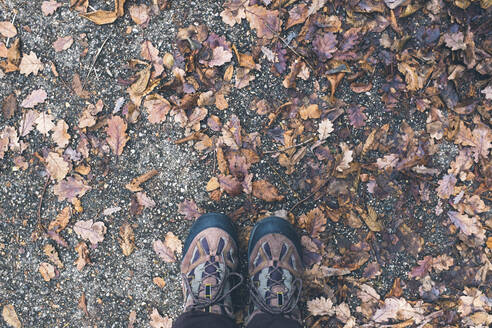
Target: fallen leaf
x=346, y=157
x=62, y=43
x=49, y=7
x=392, y=4
x=144, y=200
x=398, y=309
x=159, y=282
x=7, y=29
x=324, y=129
x=27, y=123
x=60, y=135
x=173, y=243
x=149, y=52
x=220, y=56
x=156, y=321
x=455, y=41
x=424, y=267
x=117, y=137
x=47, y=271
x=34, y=98
x=61, y=220
x=10, y=316
x=127, y=240
x=79, y=5
x=356, y=116
x=264, y=21
x=325, y=45
x=314, y=222
x=90, y=230
x=230, y=184
x=70, y=188
x=44, y=123
x=56, y=166
x=83, y=253
x=132, y=318
x=138, y=89
x=52, y=254
x=387, y=162
x=321, y=306
x=30, y=64
x=9, y=105
x=139, y=14
x=101, y=17
x=77, y=87
x=446, y=186
x=311, y=111
x=164, y=252
x=189, y=209
x=83, y=304
x=157, y=108
x=134, y=185
x=233, y=12
x=469, y=225
x=263, y=189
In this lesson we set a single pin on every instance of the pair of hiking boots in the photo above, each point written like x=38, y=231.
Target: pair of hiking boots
x=210, y=262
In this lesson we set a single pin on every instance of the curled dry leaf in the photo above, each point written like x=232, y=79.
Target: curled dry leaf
x=61, y=220
x=117, y=136
x=27, y=123
x=83, y=253
x=49, y=7
x=36, y=97
x=90, y=230
x=134, y=185
x=139, y=88
x=263, y=189
x=47, y=271
x=52, y=254
x=101, y=17
x=156, y=321
x=30, y=64
x=10, y=316
x=127, y=240
x=63, y=43
x=78, y=88
x=56, y=166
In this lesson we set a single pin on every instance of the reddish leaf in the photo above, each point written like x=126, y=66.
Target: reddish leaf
x=422, y=269
x=263, y=189
x=324, y=45
x=117, y=136
x=70, y=188
x=63, y=43
x=356, y=116
x=230, y=184
x=189, y=209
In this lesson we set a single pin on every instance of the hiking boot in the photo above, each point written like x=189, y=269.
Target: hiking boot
x=209, y=262
x=275, y=268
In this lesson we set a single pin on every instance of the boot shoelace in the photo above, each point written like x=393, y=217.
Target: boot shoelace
x=262, y=303
x=199, y=302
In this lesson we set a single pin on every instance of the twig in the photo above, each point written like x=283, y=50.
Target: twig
x=296, y=195
x=290, y=147
x=40, y=204
x=94, y=61
x=8, y=39
x=302, y=201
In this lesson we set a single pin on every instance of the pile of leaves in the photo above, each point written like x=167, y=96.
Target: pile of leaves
x=335, y=157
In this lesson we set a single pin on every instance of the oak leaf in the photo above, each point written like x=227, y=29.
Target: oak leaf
x=90, y=230
x=30, y=64
x=151, y=53
x=61, y=220
x=173, y=243
x=346, y=157
x=44, y=123
x=455, y=41
x=469, y=225
x=34, y=98
x=49, y=7
x=387, y=162
x=78, y=87
x=356, y=116
x=163, y=251
x=70, y=188
x=325, y=45
x=60, y=135
x=263, y=189
x=398, y=309
x=56, y=166
x=117, y=137
x=220, y=56
x=157, y=108
x=139, y=88
x=321, y=306
x=311, y=111
x=264, y=21
x=233, y=12
x=156, y=321
x=325, y=128
x=189, y=209
x=446, y=186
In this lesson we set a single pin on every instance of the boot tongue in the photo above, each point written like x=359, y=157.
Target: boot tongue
x=277, y=291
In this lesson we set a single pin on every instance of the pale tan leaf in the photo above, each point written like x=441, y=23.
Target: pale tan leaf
x=61, y=220
x=265, y=22
x=49, y=7
x=63, y=43
x=36, y=97
x=83, y=253
x=27, y=123
x=321, y=306
x=70, y=188
x=173, y=243
x=144, y=200
x=398, y=309
x=387, y=162
x=346, y=157
x=117, y=137
x=446, y=186
x=90, y=230
x=220, y=56
x=324, y=129
x=157, y=107
x=127, y=240
x=30, y=64
x=60, y=135
x=156, y=321
x=7, y=29
x=469, y=225
x=56, y=166
x=139, y=14
x=47, y=271
x=10, y=316
x=163, y=251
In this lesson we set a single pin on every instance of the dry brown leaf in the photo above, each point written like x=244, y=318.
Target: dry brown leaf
x=90, y=230
x=446, y=186
x=10, y=316
x=7, y=29
x=62, y=43
x=70, y=188
x=61, y=220
x=212, y=184
x=119, y=7
x=159, y=282
x=60, y=135
x=52, y=254
x=311, y=111
x=79, y=5
x=139, y=14
x=101, y=17
x=9, y=105
x=144, y=200
x=321, y=306
x=151, y=53
x=134, y=185
x=30, y=64
x=469, y=225
x=189, y=209
x=264, y=21
x=132, y=318
x=83, y=253
x=13, y=58
x=27, y=123
x=47, y=271
x=220, y=56
x=44, y=123
x=83, y=304
x=173, y=243
x=117, y=137
x=127, y=240
x=139, y=89
x=77, y=87
x=49, y=7
x=36, y=97
x=163, y=251
x=56, y=166
x=265, y=190
x=489, y=243
x=157, y=107
x=156, y=321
